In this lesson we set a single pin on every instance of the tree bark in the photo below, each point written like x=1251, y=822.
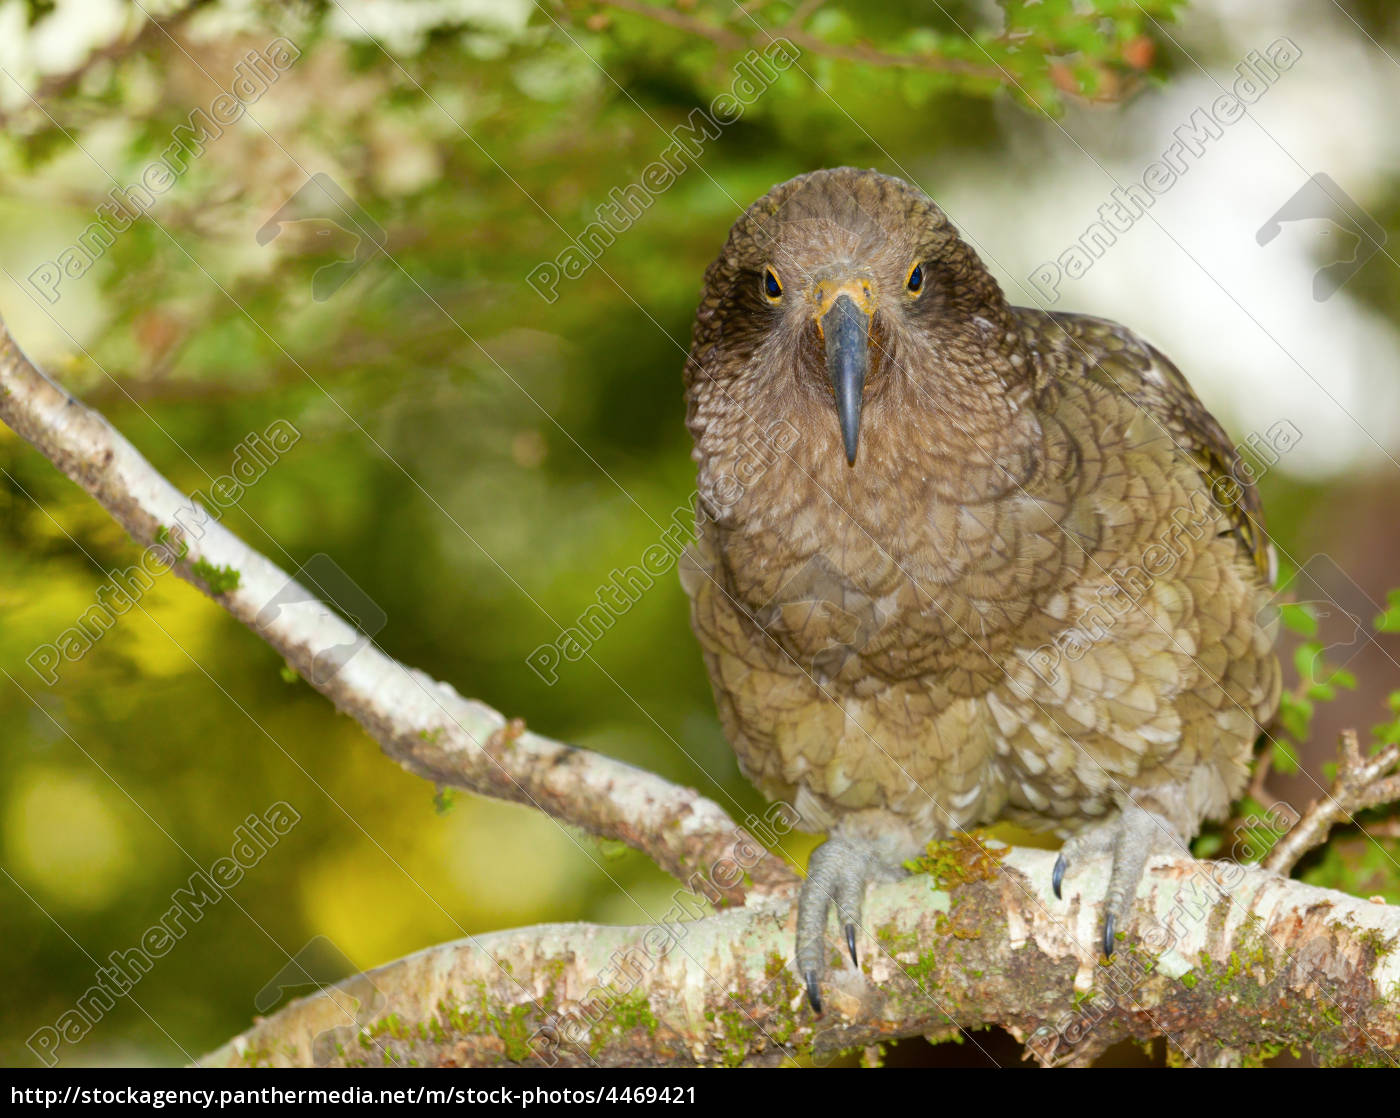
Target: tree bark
x=1225, y=961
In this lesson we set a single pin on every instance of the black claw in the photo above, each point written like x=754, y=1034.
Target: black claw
x=851, y=944
x=1058, y=876
x=814, y=992
x=1108, y=935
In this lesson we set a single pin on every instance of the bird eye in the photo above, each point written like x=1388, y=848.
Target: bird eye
x=771, y=287
x=916, y=278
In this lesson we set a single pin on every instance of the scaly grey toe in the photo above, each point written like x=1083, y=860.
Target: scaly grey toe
x=1138, y=835
x=1132, y=836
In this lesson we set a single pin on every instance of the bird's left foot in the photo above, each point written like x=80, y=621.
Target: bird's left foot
x=1131, y=836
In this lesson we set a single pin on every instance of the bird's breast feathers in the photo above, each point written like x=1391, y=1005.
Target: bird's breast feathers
x=1100, y=617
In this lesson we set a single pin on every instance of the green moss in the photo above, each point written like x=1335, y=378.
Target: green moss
x=963, y=858
x=393, y=1026
x=946, y=925
x=873, y=1056
x=256, y=1057
x=553, y=969
x=163, y=538
x=514, y=1026
x=220, y=580
x=736, y=1036
x=1372, y=938
x=895, y=941
x=634, y=1012
x=923, y=969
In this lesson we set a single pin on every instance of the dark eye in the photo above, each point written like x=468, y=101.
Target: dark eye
x=916, y=278
x=771, y=287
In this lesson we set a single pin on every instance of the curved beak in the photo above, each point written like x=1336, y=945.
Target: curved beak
x=846, y=330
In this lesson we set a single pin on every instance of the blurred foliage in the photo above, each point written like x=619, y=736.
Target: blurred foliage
x=477, y=459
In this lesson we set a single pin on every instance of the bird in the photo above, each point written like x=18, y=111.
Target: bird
x=1002, y=564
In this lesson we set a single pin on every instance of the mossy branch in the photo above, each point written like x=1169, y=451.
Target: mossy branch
x=1263, y=966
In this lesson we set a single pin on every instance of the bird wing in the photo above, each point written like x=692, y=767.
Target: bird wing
x=1077, y=346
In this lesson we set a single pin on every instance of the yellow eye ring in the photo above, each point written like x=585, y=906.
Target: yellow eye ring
x=914, y=281
x=772, y=289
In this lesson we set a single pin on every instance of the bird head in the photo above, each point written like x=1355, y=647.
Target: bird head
x=838, y=286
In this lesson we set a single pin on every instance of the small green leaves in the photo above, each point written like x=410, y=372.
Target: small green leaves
x=1389, y=621
x=1298, y=618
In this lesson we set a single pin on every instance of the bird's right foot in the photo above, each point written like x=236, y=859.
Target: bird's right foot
x=837, y=874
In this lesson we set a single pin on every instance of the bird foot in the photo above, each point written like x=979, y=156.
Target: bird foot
x=1131, y=837
x=837, y=874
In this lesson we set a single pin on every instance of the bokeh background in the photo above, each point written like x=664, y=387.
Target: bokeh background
x=479, y=459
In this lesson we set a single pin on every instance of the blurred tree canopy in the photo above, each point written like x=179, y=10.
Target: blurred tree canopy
x=478, y=458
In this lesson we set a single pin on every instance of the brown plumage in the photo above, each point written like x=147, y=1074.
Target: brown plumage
x=992, y=563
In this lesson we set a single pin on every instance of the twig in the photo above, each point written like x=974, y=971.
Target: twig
x=126, y=44
x=792, y=31
x=802, y=13
x=721, y=37
x=1361, y=783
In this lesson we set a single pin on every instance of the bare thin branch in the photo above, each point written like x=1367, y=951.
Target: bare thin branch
x=422, y=723
x=1361, y=783
x=794, y=32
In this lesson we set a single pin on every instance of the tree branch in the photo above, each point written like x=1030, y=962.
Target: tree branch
x=1227, y=962
x=1361, y=783
x=423, y=724
x=794, y=32
x=142, y=30
x=1261, y=964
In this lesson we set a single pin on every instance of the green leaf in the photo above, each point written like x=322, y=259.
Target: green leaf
x=1285, y=756
x=1389, y=621
x=1298, y=619
x=1305, y=659
x=1296, y=715
x=1386, y=733
x=1207, y=845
